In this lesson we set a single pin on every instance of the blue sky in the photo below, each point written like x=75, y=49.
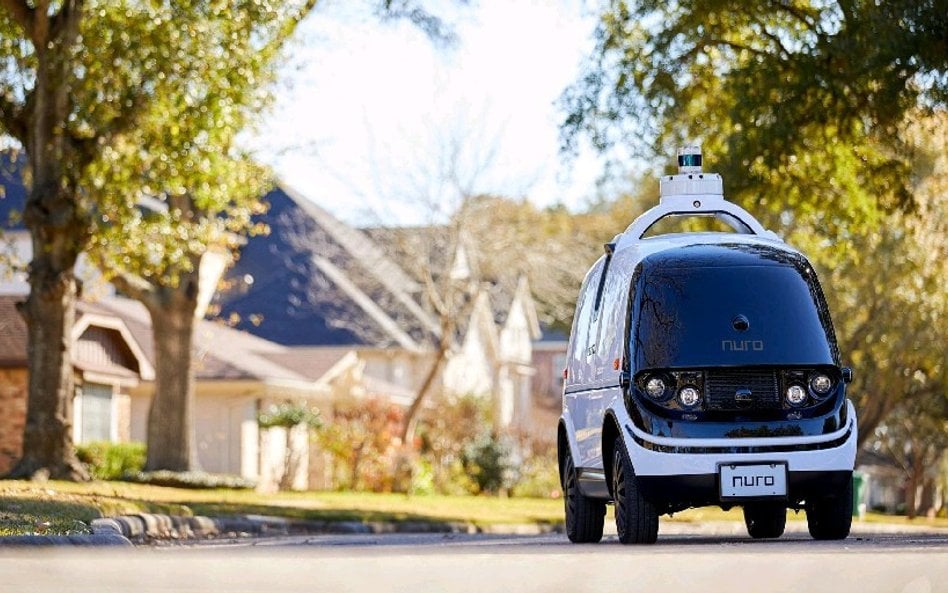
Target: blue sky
x=372, y=119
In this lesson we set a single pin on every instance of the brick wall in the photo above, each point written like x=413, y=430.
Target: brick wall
x=12, y=416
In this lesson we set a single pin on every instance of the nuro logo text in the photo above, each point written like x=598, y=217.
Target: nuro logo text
x=742, y=345
x=752, y=481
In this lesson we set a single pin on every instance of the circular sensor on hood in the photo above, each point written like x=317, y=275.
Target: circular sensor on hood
x=740, y=323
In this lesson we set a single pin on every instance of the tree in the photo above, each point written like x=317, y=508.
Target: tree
x=808, y=110
x=775, y=82
x=884, y=287
x=85, y=79
x=81, y=77
x=200, y=192
x=915, y=435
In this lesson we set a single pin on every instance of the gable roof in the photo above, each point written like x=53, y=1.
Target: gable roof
x=317, y=364
x=524, y=299
x=313, y=280
x=433, y=247
x=220, y=352
x=102, y=343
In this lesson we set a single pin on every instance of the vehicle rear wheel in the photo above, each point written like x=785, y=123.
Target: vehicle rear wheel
x=831, y=516
x=765, y=519
x=636, y=517
x=584, y=516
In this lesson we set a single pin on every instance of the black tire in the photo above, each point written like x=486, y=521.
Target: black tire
x=765, y=519
x=831, y=517
x=584, y=516
x=636, y=517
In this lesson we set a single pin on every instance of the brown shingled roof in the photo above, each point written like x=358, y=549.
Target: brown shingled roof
x=224, y=353
x=311, y=362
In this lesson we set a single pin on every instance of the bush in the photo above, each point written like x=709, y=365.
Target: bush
x=489, y=462
x=446, y=430
x=361, y=439
x=112, y=461
x=288, y=415
x=539, y=469
x=196, y=480
x=539, y=478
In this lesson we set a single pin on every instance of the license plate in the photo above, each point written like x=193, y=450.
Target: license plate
x=753, y=481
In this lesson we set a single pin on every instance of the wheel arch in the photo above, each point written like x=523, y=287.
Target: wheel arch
x=610, y=432
x=562, y=448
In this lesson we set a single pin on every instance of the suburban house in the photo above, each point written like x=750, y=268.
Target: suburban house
x=108, y=364
x=315, y=281
x=237, y=376
x=316, y=310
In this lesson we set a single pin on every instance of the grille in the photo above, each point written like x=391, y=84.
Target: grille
x=723, y=386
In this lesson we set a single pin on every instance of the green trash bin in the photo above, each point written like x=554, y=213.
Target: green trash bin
x=860, y=481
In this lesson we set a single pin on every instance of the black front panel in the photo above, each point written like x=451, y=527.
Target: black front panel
x=675, y=493
x=742, y=389
x=728, y=306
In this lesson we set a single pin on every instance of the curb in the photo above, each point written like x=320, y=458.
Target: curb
x=127, y=530
x=144, y=528
x=96, y=539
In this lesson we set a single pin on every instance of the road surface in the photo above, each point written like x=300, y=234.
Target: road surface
x=680, y=562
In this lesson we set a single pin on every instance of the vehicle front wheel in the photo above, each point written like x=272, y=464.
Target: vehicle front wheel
x=765, y=519
x=636, y=516
x=584, y=516
x=831, y=516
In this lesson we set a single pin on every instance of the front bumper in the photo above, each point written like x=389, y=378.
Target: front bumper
x=679, y=492
x=669, y=456
x=677, y=473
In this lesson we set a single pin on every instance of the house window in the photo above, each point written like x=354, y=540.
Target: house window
x=95, y=409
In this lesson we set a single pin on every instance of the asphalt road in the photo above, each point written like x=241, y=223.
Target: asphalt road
x=682, y=562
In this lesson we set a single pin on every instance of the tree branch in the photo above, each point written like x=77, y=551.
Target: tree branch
x=21, y=13
x=65, y=23
x=780, y=46
x=795, y=13
x=136, y=287
x=126, y=120
x=12, y=120
x=737, y=46
x=288, y=28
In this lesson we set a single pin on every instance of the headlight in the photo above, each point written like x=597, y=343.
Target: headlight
x=655, y=388
x=796, y=395
x=688, y=396
x=821, y=384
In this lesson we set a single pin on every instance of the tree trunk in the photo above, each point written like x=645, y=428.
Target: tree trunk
x=411, y=416
x=50, y=313
x=171, y=416
x=927, y=506
x=915, y=480
x=354, y=469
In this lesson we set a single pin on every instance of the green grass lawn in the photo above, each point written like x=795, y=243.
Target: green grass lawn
x=67, y=507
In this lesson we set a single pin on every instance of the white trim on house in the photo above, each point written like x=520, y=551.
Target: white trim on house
x=339, y=278
x=86, y=320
